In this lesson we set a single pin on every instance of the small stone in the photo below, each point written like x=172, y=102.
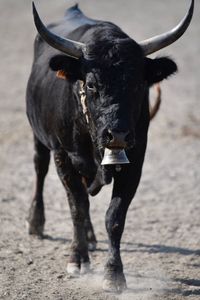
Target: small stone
x=29, y=261
x=18, y=251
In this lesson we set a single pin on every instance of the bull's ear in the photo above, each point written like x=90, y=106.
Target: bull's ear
x=158, y=69
x=67, y=67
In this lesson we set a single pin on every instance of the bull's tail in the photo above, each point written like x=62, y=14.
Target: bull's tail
x=154, y=109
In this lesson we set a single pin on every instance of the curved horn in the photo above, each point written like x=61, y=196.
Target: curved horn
x=69, y=47
x=161, y=41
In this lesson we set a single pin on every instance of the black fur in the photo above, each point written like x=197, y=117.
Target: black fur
x=159, y=69
x=116, y=78
x=71, y=67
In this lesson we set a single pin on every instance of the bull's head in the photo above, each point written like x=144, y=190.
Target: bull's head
x=116, y=75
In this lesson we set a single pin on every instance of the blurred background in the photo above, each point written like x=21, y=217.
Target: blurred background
x=161, y=245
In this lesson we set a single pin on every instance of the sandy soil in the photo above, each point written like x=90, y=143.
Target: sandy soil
x=161, y=242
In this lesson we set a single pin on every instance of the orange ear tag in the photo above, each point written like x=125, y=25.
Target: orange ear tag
x=61, y=74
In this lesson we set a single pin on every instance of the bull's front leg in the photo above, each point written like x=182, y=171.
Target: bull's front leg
x=79, y=207
x=125, y=186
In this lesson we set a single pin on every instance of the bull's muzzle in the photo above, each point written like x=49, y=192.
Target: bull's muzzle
x=114, y=153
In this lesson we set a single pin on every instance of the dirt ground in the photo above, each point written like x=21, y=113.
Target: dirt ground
x=161, y=242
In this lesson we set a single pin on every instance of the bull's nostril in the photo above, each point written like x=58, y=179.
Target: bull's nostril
x=110, y=136
x=117, y=138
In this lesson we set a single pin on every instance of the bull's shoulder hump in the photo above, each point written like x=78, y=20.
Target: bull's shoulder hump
x=76, y=16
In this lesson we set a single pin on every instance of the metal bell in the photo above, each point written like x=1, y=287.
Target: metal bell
x=114, y=157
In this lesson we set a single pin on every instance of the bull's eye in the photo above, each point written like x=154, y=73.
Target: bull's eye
x=91, y=87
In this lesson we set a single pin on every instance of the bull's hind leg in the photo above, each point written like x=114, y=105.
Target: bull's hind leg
x=79, y=207
x=36, y=218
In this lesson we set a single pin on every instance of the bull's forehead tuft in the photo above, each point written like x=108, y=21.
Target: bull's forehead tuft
x=114, y=52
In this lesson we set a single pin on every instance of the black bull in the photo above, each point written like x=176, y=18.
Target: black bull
x=103, y=102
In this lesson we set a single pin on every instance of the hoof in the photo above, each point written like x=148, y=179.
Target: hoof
x=85, y=268
x=73, y=269
x=92, y=246
x=117, y=285
x=109, y=286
